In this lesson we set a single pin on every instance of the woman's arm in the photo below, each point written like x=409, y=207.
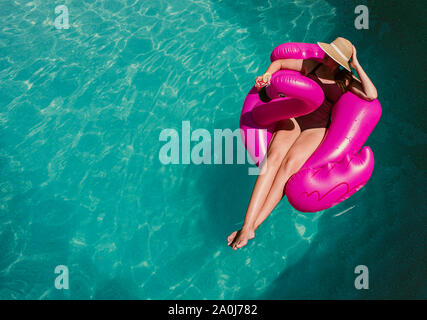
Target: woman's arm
x=363, y=88
x=300, y=65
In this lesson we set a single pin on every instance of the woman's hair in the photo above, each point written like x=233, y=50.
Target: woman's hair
x=343, y=79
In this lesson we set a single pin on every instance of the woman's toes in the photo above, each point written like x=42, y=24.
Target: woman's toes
x=242, y=243
x=231, y=237
x=238, y=239
x=239, y=244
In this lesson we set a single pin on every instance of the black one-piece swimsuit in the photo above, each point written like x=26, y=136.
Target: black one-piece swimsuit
x=321, y=117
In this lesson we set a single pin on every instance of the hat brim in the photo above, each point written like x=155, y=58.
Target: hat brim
x=330, y=51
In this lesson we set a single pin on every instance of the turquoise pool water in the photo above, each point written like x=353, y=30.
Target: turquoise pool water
x=81, y=183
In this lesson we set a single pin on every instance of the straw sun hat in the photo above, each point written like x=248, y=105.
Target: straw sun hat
x=340, y=50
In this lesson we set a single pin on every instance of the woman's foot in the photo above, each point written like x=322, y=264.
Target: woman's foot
x=240, y=238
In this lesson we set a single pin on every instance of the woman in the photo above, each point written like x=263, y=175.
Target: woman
x=294, y=140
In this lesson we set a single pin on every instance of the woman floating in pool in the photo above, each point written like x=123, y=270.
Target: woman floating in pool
x=295, y=139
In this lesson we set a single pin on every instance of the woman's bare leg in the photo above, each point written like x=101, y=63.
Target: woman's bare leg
x=298, y=154
x=300, y=151
x=286, y=133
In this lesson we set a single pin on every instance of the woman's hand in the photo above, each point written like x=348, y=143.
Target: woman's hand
x=259, y=82
x=258, y=79
x=266, y=77
x=354, y=62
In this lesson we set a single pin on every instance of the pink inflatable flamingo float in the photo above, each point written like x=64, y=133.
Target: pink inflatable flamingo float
x=337, y=169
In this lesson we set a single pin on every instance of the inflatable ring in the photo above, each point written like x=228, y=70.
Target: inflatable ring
x=336, y=169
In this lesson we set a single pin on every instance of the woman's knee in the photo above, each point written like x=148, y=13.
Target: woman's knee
x=291, y=164
x=275, y=156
